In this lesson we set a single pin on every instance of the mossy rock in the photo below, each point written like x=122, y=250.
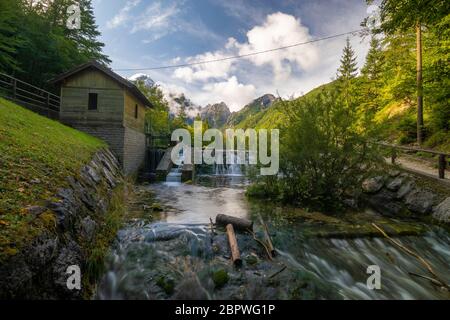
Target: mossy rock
x=220, y=278
x=156, y=207
x=251, y=260
x=167, y=284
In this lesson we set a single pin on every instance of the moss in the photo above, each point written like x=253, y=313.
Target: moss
x=166, y=283
x=220, y=278
x=156, y=207
x=251, y=260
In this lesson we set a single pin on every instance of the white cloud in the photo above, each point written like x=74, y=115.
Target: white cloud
x=156, y=17
x=233, y=93
x=289, y=72
x=206, y=71
x=123, y=16
x=280, y=30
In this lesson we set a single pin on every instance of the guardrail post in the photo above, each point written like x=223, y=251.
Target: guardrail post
x=442, y=165
x=393, y=155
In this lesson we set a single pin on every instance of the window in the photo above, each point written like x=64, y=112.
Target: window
x=93, y=98
x=136, y=111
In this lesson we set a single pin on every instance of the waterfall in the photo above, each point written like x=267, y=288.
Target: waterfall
x=233, y=168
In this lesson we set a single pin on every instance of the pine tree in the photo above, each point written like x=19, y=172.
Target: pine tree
x=347, y=71
x=371, y=81
x=87, y=36
x=373, y=67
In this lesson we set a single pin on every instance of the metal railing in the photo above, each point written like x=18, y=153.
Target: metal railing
x=442, y=156
x=36, y=99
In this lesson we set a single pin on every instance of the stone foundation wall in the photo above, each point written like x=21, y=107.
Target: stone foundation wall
x=39, y=271
x=403, y=194
x=134, y=150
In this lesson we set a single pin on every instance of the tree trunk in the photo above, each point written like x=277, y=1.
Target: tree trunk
x=419, y=84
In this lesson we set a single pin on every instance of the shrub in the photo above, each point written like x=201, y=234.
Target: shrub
x=324, y=153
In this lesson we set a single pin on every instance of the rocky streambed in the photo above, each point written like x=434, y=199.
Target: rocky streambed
x=168, y=251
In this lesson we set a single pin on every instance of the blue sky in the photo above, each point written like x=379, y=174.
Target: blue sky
x=149, y=33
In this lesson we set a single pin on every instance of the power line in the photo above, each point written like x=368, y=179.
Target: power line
x=241, y=55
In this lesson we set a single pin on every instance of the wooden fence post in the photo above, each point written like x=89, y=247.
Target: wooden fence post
x=442, y=165
x=393, y=155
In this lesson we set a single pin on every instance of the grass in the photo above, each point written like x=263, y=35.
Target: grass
x=36, y=156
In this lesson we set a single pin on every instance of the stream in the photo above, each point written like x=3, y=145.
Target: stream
x=174, y=255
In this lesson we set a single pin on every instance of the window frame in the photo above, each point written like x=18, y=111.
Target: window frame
x=90, y=107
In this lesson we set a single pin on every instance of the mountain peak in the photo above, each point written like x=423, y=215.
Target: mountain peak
x=142, y=77
x=216, y=114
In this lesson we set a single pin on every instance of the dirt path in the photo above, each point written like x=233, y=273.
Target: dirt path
x=419, y=165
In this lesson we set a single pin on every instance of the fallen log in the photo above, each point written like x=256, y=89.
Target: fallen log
x=238, y=223
x=235, y=255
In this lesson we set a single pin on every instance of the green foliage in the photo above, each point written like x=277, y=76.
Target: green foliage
x=437, y=74
x=348, y=68
x=166, y=283
x=401, y=15
x=408, y=129
x=324, y=153
x=36, y=44
x=158, y=116
x=9, y=40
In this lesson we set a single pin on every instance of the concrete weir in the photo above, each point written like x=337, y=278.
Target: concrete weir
x=165, y=169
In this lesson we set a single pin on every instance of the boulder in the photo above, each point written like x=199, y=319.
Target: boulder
x=384, y=202
x=372, y=185
x=395, y=184
x=420, y=201
x=442, y=211
x=405, y=189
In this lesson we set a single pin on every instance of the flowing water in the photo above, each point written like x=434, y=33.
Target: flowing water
x=175, y=256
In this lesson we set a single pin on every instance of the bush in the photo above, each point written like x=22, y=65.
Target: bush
x=408, y=130
x=324, y=154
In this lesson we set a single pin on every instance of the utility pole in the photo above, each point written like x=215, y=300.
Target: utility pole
x=419, y=84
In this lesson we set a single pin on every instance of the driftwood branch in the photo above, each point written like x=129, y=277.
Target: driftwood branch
x=269, y=255
x=268, y=239
x=412, y=253
x=433, y=281
x=278, y=272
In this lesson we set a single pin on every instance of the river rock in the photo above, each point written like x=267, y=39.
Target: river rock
x=372, y=185
x=405, y=189
x=442, y=211
x=384, y=202
x=35, y=210
x=395, y=184
x=87, y=228
x=420, y=201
